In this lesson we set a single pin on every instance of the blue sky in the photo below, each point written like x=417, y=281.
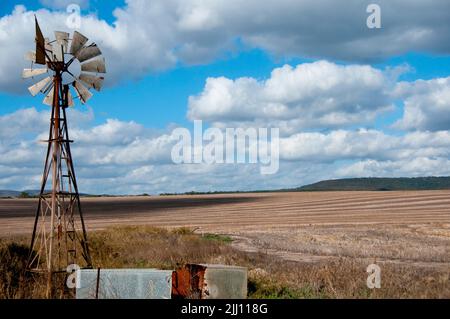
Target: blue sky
x=103, y=9
x=361, y=102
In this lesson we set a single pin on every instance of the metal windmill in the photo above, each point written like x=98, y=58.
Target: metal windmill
x=59, y=236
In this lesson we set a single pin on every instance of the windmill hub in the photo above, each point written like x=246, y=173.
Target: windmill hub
x=73, y=69
x=56, y=66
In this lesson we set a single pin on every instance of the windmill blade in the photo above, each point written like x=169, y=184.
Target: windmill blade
x=48, y=100
x=30, y=56
x=82, y=91
x=29, y=73
x=78, y=42
x=62, y=38
x=92, y=81
x=49, y=49
x=97, y=66
x=40, y=86
x=58, y=52
x=40, y=44
x=69, y=99
x=48, y=45
x=67, y=96
x=88, y=52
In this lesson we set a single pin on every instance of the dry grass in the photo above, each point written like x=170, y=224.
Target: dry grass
x=149, y=247
x=346, y=278
x=269, y=277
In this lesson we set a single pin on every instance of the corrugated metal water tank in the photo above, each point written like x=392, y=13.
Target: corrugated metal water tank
x=207, y=281
x=124, y=284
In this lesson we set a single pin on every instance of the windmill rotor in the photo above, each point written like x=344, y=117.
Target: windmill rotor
x=58, y=56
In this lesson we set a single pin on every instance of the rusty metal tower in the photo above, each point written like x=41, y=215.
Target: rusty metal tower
x=59, y=236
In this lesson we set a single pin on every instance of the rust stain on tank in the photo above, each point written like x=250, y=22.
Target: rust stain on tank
x=188, y=282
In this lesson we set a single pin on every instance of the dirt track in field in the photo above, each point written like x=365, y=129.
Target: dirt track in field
x=410, y=226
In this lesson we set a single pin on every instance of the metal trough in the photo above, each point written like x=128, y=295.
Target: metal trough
x=124, y=284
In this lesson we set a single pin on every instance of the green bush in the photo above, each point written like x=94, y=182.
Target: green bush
x=216, y=237
x=268, y=289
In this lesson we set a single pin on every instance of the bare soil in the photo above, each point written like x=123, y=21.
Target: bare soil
x=406, y=227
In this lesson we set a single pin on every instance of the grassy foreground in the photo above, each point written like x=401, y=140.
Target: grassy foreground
x=269, y=277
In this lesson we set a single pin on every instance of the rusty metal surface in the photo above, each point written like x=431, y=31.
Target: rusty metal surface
x=187, y=282
x=208, y=281
x=40, y=45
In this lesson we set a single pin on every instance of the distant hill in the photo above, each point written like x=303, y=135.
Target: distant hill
x=28, y=193
x=11, y=193
x=8, y=193
x=353, y=184
x=379, y=184
x=345, y=184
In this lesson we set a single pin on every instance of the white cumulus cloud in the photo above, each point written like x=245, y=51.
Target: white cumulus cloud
x=426, y=104
x=311, y=95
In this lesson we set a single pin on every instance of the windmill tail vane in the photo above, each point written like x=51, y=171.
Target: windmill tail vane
x=59, y=236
